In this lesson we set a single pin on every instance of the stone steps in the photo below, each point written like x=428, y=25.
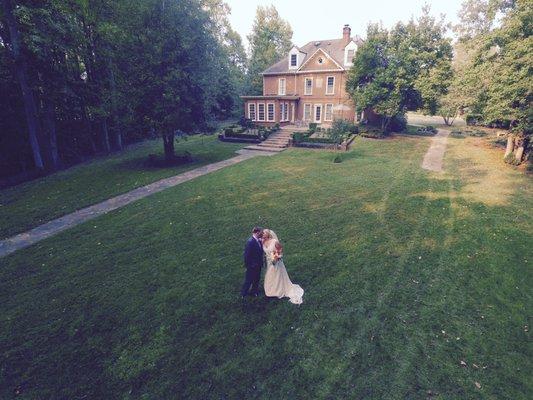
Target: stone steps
x=265, y=148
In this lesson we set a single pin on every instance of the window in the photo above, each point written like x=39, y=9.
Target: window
x=251, y=111
x=318, y=112
x=328, y=112
x=308, y=89
x=349, y=55
x=281, y=86
x=294, y=60
x=330, y=87
x=283, y=112
x=320, y=60
x=307, y=112
x=261, y=112
x=271, y=116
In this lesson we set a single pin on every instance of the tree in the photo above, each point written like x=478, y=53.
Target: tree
x=501, y=59
x=270, y=40
x=91, y=75
x=12, y=40
x=406, y=68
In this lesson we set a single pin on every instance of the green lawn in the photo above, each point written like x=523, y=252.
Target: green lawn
x=30, y=204
x=407, y=274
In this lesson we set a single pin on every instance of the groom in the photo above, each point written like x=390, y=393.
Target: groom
x=253, y=261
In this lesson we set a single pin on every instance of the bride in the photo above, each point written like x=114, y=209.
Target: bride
x=277, y=281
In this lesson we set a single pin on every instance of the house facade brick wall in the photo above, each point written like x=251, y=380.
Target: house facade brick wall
x=315, y=91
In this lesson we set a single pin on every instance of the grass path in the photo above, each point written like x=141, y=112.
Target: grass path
x=55, y=226
x=407, y=273
x=33, y=203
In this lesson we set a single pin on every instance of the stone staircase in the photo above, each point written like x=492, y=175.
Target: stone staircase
x=276, y=142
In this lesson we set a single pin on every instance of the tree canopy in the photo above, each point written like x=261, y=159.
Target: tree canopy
x=270, y=40
x=87, y=76
x=406, y=68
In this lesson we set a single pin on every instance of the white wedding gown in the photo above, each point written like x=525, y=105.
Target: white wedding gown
x=277, y=281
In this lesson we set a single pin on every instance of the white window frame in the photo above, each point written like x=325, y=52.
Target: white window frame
x=254, y=118
x=305, y=86
x=290, y=60
x=330, y=106
x=315, y=108
x=332, y=86
x=259, y=112
x=283, y=112
x=308, y=110
x=273, y=112
x=280, y=86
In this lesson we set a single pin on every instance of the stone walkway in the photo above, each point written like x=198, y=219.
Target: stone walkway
x=55, y=226
x=435, y=154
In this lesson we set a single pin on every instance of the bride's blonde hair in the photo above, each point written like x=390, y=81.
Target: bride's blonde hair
x=271, y=235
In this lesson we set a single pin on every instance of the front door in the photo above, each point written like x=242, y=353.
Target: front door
x=318, y=113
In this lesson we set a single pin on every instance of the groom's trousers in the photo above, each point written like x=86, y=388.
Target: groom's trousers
x=251, y=278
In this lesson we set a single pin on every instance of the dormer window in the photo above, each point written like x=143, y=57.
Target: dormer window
x=349, y=53
x=294, y=60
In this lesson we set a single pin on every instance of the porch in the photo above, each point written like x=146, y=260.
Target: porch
x=270, y=110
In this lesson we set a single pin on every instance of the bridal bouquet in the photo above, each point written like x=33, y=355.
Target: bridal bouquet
x=277, y=254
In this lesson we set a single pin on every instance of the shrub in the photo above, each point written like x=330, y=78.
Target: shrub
x=476, y=133
x=511, y=159
x=371, y=132
x=343, y=126
x=299, y=137
x=312, y=127
x=430, y=129
x=473, y=119
x=337, y=159
x=398, y=123
x=457, y=134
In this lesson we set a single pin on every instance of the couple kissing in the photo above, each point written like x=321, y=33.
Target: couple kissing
x=264, y=245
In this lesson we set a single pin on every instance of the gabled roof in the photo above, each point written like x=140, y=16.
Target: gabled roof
x=333, y=47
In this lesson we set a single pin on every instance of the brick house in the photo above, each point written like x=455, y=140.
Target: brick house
x=307, y=85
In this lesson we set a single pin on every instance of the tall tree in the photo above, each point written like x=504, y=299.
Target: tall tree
x=406, y=68
x=501, y=58
x=13, y=41
x=270, y=40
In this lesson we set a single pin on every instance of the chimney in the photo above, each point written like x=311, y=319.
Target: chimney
x=346, y=32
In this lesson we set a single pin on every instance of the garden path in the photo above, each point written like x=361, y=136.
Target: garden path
x=434, y=157
x=55, y=226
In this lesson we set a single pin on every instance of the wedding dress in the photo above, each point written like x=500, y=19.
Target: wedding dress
x=277, y=281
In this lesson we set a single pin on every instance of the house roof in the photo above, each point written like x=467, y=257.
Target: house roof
x=333, y=47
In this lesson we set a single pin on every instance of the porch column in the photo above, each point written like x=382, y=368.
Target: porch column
x=292, y=111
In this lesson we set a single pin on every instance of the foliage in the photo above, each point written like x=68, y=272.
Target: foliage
x=401, y=69
x=107, y=73
x=428, y=130
x=498, y=69
x=341, y=127
x=270, y=40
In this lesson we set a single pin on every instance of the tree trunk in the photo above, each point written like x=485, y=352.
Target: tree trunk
x=51, y=133
x=113, y=87
x=510, y=146
x=105, y=136
x=519, y=149
x=446, y=121
x=168, y=143
x=30, y=106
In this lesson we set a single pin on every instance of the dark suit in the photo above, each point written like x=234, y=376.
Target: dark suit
x=253, y=261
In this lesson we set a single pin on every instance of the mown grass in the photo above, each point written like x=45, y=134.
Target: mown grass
x=407, y=273
x=30, y=204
